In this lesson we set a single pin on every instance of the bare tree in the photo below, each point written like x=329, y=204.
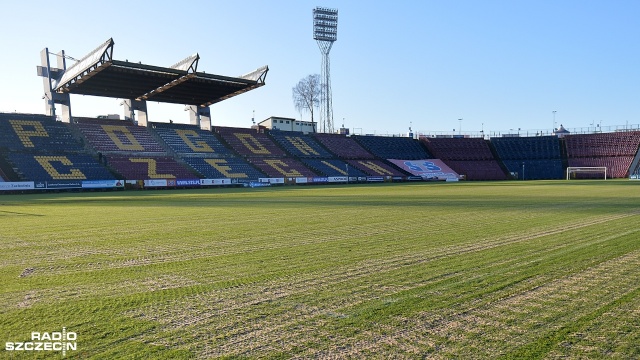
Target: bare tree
x=306, y=94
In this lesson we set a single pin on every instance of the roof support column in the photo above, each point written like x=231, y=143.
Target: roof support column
x=200, y=116
x=130, y=108
x=49, y=76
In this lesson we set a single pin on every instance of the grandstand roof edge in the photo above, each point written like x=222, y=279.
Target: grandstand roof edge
x=98, y=74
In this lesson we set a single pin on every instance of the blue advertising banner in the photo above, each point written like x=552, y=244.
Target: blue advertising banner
x=102, y=184
x=188, y=182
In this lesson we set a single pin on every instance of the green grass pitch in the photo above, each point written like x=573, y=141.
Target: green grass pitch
x=540, y=269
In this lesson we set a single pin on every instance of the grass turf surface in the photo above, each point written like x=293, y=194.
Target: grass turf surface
x=466, y=270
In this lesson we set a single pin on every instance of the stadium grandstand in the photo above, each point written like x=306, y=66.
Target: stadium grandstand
x=130, y=150
x=343, y=147
x=204, y=152
x=616, y=151
x=37, y=148
x=71, y=152
x=532, y=158
x=393, y=147
x=471, y=157
x=299, y=145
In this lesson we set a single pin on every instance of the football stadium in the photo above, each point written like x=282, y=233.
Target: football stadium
x=131, y=238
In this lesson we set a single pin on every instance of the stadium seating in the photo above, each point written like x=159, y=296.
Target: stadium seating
x=477, y=169
x=344, y=147
x=36, y=147
x=470, y=157
x=617, y=166
x=300, y=145
x=333, y=167
x=460, y=149
x=535, y=147
x=148, y=167
x=540, y=155
x=118, y=135
x=59, y=167
x=36, y=133
x=386, y=147
x=281, y=167
x=249, y=142
x=264, y=153
x=375, y=168
x=39, y=149
x=220, y=168
x=187, y=140
x=603, y=144
x=536, y=169
x=613, y=150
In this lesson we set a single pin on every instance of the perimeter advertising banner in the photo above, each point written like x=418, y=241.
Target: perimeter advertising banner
x=272, y=180
x=14, y=186
x=431, y=169
x=64, y=184
x=102, y=184
x=333, y=179
x=155, y=183
x=188, y=182
x=205, y=182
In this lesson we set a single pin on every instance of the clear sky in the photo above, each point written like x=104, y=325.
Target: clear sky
x=496, y=64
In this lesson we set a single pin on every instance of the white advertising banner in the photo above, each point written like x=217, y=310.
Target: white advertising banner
x=12, y=186
x=272, y=180
x=333, y=179
x=427, y=169
x=156, y=183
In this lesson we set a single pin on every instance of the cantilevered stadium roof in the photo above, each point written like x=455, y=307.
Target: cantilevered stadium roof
x=98, y=74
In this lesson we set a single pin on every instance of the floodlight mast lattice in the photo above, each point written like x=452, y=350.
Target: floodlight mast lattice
x=325, y=32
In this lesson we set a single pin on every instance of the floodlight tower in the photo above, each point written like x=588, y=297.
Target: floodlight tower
x=325, y=32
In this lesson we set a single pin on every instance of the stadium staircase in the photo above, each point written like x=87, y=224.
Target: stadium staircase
x=499, y=160
x=634, y=169
x=7, y=171
x=563, y=153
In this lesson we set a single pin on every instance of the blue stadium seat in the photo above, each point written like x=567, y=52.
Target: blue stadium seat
x=189, y=139
x=300, y=145
x=386, y=147
x=36, y=133
x=59, y=167
x=540, y=155
x=221, y=168
x=333, y=167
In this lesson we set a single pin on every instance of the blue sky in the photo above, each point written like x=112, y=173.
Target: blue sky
x=497, y=64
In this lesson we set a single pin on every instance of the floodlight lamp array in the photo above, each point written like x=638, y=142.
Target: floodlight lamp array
x=325, y=24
